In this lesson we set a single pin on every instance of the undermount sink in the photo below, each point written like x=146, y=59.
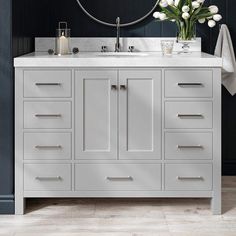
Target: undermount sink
x=122, y=54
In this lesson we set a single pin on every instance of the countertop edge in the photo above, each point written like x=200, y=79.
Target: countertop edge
x=200, y=60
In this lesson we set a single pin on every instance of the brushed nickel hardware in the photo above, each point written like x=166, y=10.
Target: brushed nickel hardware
x=125, y=178
x=190, y=84
x=117, y=45
x=114, y=87
x=199, y=116
x=104, y=49
x=123, y=87
x=190, y=147
x=48, y=115
x=131, y=49
x=42, y=178
x=48, y=147
x=189, y=178
x=48, y=84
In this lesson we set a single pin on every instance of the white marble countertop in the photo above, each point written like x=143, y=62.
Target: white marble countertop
x=90, y=59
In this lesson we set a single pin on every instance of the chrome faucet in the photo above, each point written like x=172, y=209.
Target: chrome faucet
x=117, y=45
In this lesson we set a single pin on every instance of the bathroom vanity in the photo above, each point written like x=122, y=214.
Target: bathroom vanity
x=118, y=125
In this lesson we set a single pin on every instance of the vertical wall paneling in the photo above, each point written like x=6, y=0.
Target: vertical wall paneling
x=6, y=111
x=16, y=38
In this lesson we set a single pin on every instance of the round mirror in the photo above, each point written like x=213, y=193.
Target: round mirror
x=106, y=12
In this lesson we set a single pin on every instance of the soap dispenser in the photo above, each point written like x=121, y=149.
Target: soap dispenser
x=62, y=39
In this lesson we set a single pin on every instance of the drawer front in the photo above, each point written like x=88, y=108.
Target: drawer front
x=47, y=83
x=118, y=177
x=188, y=177
x=188, y=115
x=188, y=146
x=47, y=115
x=188, y=83
x=47, y=146
x=47, y=177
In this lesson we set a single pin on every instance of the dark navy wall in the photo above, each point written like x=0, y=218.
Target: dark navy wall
x=22, y=26
x=6, y=110
x=15, y=39
x=22, y=20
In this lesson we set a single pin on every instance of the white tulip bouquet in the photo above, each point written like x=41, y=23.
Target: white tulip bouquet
x=186, y=13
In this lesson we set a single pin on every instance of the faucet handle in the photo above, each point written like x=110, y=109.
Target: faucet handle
x=131, y=49
x=104, y=49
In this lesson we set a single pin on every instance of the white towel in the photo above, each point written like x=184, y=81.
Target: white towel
x=225, y=50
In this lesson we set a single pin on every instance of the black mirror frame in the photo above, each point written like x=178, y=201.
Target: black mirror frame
x=121, y=25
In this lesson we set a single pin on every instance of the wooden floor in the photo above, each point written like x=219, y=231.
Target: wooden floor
x=104, y=217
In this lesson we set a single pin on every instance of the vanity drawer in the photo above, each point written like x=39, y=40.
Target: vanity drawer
x=118, y=177
x=47, y=115
x=188, y=83
x=47, y=177
x=47, y=146
x=188, y=115
x=47, y=83
x=188, y=146
x=188, y=177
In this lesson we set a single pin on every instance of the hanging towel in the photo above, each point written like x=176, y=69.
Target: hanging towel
x=225, y=50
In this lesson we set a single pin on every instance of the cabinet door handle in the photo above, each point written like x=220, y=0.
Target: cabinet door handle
x=123, y=87
x=48, y=147
x=48, y=84
x=190, y=147
x=189, y=178
x=190, y=84
x=48, y=115
x=188, y=116
x=124, y=178
x=114, y=87
x=48, y=178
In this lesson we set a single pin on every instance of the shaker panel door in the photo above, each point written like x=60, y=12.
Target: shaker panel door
x=140, y=114
x=96, y=114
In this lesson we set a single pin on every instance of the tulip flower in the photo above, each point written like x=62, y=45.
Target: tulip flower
x=213, y=9
x=217, y=17
x=186, y=14
x=185, y=8
x=211, y=23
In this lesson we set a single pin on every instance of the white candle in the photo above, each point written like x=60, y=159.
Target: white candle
x=62, y=45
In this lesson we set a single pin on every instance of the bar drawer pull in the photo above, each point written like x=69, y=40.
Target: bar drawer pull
x=190, y=84
x=187, y=116
x=48, y=115
x=190, y=178
x=48, y=178
x=48, y=147
x=190, y=147
x=48, y=84
x=125, y=178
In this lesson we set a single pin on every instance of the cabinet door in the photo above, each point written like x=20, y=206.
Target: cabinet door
x=96, y=114
x=140, y=114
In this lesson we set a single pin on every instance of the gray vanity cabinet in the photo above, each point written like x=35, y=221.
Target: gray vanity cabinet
x=118, y=132
x=140, y=114
x=118, y=114
x=96, y=114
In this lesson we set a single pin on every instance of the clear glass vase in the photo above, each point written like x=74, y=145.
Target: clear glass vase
x=186, y=36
